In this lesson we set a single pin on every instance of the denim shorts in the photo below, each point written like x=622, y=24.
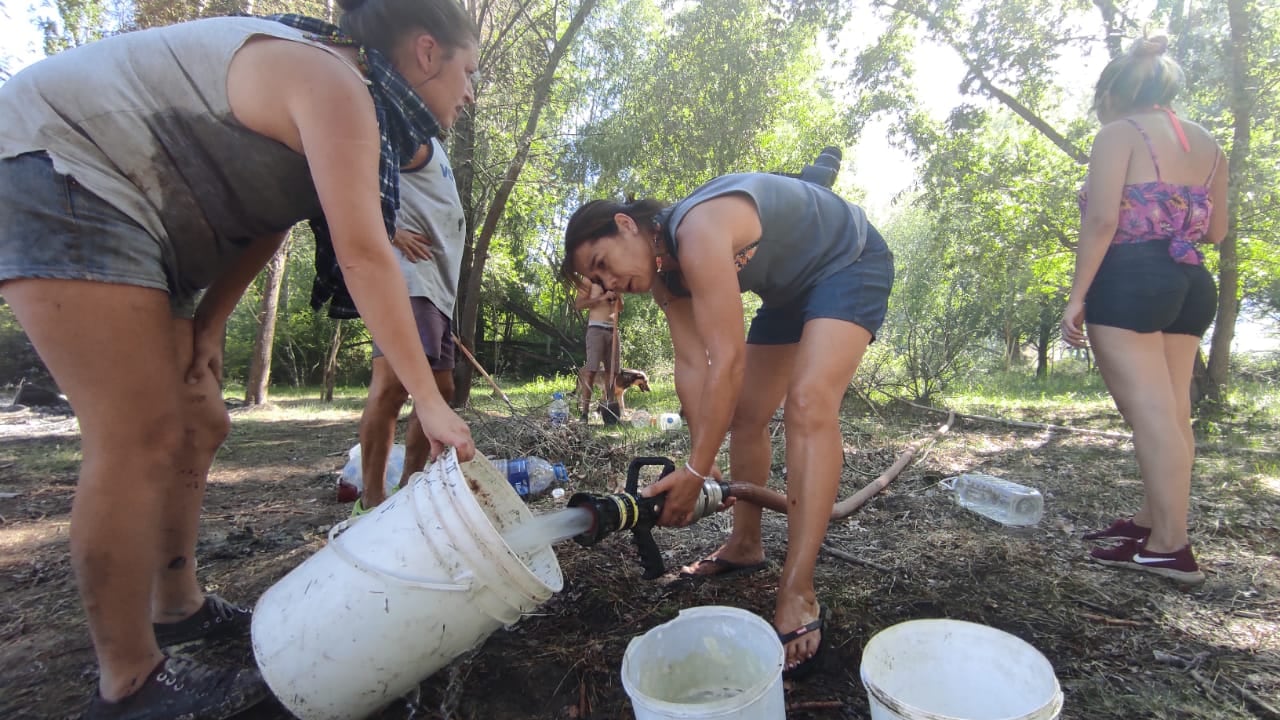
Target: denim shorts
x=1140, y=287
x=858, y=293
x=52, y=227
x=435, y=330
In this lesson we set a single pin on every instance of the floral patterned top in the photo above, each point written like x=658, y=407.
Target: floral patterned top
x=1164, y=211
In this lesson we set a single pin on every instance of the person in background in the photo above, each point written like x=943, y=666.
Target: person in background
x=139, y=170
x=432, y=229
x=603, y=309
x=824, y=274
x=1157, y=187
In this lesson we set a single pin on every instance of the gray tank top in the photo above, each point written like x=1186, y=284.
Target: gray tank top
x=429, y=205
x=807, y=232
x=143, y=121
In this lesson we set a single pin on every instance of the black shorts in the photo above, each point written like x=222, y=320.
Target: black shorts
x=858, y=293
x=1140, y=287
x=435, y=330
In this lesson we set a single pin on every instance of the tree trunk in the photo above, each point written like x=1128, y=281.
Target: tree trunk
x=464, y=172
x=331, y=362
x=255, y=389
x=473, y=272
x=1224, y=326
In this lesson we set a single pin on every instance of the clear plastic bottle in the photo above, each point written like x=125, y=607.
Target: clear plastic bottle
x=1002, y=500
x=531, y=476
x=559, y=411
x=351, y=482
x=640, y=419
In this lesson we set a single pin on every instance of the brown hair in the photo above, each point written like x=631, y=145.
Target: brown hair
x=595, y=220
x=1141, y=78
x=380, y=24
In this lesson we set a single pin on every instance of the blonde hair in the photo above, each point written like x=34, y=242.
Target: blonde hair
x=1142, y=77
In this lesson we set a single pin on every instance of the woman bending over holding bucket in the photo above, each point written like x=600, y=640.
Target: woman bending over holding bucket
x=137, y=171
x=824, y=274
x=1156, y=187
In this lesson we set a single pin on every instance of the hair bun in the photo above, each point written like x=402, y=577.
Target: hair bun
x=1151, y=46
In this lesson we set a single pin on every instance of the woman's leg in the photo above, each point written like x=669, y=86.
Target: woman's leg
x=110, y=349
x=1136, y=369
x=378, y=429
x=177, y=594
x=764, y=384
x=829, y=353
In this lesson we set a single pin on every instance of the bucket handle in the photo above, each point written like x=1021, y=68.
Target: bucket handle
x=423, y=584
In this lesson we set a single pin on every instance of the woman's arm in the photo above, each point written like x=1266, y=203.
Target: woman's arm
x=1108, y=167
x=1220, y=219
x=312, y=101
x=209, y=327
x=706, y=236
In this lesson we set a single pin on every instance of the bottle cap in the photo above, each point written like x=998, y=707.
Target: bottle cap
x=557, y=493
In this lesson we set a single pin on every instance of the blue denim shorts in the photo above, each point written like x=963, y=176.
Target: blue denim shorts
x=858, y=294
x=53, y=227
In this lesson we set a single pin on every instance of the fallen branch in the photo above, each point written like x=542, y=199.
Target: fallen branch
x=850, y=557
x=1113, y=621
x=1024, y=424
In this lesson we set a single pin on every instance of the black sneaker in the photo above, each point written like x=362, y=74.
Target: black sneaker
x=182, y=689
x=216, y=618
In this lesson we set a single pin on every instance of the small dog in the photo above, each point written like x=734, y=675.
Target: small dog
x=622, y=382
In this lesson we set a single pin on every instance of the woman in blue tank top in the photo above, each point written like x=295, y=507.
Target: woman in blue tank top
x=824, y=274
x=1156, y=188
x=183, y=169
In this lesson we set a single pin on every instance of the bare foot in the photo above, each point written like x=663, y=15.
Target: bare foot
x=729, y=559
x=793, y=612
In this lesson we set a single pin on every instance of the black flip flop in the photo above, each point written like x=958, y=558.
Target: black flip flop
x=806, y=667
x=727, y=569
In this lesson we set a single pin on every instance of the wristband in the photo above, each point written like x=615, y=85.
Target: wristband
x=695, y=473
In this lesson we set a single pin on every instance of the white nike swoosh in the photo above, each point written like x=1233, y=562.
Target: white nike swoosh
x=1137, y=557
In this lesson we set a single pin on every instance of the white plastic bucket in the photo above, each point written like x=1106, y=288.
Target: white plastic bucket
x=399, y=593
x=956, y=670
x=709, y=662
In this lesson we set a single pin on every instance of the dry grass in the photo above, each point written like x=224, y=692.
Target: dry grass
x=1123, y=645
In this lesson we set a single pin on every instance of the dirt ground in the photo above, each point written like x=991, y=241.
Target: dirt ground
x=1123, y=645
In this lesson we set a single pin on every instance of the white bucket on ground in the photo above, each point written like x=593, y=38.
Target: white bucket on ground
x=956, y=670
x=709, y=662
x=399, y=593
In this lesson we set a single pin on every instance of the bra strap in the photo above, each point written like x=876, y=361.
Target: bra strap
x=1150, y=148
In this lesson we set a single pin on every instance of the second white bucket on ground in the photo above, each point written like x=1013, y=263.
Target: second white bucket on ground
x=709, y=662
x=956, y=670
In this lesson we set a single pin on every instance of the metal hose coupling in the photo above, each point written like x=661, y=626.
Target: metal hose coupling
x=629, y=511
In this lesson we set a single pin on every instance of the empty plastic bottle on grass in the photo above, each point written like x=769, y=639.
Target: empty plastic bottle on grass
x=559, y=411
x=531, y=476
x=351, y=482
x=1002, y=500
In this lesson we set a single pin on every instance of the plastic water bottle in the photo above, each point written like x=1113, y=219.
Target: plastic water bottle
x=1002, y=500
x=559, y=411
x=351, y=482
x=531, y=476
x=640, y=419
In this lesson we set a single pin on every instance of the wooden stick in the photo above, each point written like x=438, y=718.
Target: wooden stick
x=850, y=557
x=475, y=364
